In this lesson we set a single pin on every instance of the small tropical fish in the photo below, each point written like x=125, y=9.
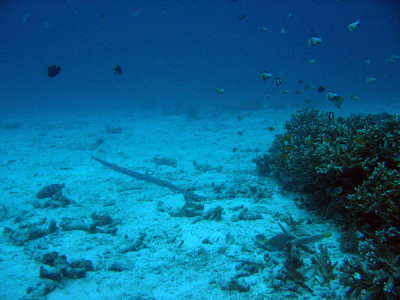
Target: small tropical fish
x=309, y=87
x=330, y=115
x=392, y=59
x=53, y=70
x=277, y=81
x=262, y=28
x=285, y=92
x=117, y=70
x=265, y=75
x=321, y=89
x=331, y=96
x=270, y=128
x=370, y=80
x=314, y=41
x=219, y=91
x=354, y=97
x=353, y=26
x=334, y=98
x=311, y=61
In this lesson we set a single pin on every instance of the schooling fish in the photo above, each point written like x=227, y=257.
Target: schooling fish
x=277, y=81
x=219, y=91
x=314, y=41
x=330, y=115
x=53, y=70
x=265, y=75
x=353, y=26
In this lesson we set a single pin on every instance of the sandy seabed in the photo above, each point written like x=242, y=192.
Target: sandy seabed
x=178, y=258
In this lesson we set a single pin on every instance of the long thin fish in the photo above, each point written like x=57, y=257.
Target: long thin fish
x=148, y=178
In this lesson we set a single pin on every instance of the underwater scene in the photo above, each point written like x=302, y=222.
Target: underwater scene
x=199, y=149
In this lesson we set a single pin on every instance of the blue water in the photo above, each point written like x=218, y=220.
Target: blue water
x=178, y=52
x=175, y=55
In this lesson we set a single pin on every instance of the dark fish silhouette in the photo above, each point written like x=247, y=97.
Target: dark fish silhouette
x=277, y=81
x=321, y=89
x=117, y=70
x=51, y=190
x=53, y=70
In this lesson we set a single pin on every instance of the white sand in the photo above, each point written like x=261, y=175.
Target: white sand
x=174, y=264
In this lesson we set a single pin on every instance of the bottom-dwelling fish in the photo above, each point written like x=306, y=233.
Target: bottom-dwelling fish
x=280, y=241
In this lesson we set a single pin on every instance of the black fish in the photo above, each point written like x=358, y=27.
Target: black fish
x=53, y=70
x=321, y=89
x=49, y=191
x=330, y=115
x=117, y=70
x=277, y=81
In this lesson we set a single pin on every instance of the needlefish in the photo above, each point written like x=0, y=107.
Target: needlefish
x=148, y=178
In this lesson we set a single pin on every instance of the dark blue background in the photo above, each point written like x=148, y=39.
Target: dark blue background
x=179, y=51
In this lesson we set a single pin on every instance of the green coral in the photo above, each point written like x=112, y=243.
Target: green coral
x=328, y=159
x=350, y=166
x=378, y=198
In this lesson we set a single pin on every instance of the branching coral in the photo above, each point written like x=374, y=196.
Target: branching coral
x=350, y=166
x=378, y=198
x=324, y=263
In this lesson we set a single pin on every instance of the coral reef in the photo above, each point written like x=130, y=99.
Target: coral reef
x=324, y=263
x=348, y=168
